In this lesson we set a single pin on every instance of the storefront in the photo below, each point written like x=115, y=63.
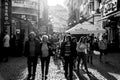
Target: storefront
x=111, y=22
x=24, y=15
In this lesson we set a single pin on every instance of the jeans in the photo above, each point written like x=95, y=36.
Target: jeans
x=68, y=67
x=45, y=65
x=82, y=56
x=32, y=62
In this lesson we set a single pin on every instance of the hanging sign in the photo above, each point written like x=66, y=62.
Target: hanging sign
x=6, y=14
x=25, y=3
x=109, y=6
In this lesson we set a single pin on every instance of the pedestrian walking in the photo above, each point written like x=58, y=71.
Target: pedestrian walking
x=46, y=52
x=74, y=40
x=67, y=53
x=91, y=49
x=81, y=49
x=57, y=56
x=32, y=51
x=13, y=44
x=102, y=47
x=6, y=46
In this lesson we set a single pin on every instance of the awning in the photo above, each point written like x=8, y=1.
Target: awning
x=85, y=28
x=73, y=28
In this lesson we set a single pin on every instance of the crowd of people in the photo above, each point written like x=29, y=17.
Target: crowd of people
x=67, y=50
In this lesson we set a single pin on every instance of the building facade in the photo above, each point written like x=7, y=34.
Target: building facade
x=84, y=10
x=24, y=16
x=104, y=14
x=111, y=22
x=17, y=15
x=73, y=8
x=44, y=22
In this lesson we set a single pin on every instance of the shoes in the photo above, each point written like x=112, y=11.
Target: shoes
x=33, y=78
x=75, y=70
x=42, y=77
x=66, y=76
x=45, y=77
x=29, y=78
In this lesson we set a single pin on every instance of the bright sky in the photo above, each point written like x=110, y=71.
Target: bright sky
x=55, y=2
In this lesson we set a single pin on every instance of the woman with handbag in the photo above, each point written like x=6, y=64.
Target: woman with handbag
x=81, y=50
x=102, y=48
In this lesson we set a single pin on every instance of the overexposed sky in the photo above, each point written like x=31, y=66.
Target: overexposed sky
x=55, y=2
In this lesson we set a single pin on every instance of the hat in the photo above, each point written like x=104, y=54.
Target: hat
x=44, y=36
x=32, y=33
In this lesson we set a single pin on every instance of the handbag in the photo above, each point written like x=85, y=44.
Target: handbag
x=80, y=47
x=96, y=52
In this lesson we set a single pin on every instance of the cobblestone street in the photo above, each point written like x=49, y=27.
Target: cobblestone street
x=16, y=69
x=108, y=70
x=73, y=39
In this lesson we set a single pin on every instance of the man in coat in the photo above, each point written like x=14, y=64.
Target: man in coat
x=32, y=51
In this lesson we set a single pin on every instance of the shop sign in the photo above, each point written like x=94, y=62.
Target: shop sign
x=109, y=6
x=6, y=13
x=25, y=3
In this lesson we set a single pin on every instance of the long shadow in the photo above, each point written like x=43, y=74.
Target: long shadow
x=102, y=69
x=104, y=72
x=79, y=75
x=90, y=75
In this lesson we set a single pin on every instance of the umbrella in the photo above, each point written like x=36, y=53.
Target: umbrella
x=85, y=28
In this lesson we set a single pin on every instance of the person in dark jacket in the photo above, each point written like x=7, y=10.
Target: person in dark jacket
x=32, y=51
x=90, y=56
x=6, y=46
x=74, y=40
x=67, y=53
x=46, y=52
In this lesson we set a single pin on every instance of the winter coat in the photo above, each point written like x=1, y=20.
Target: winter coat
x=27, y=48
